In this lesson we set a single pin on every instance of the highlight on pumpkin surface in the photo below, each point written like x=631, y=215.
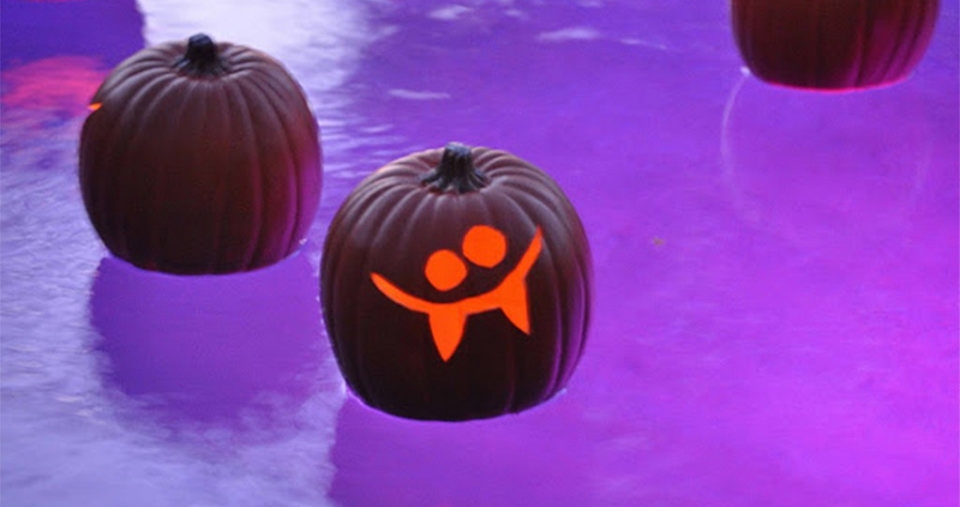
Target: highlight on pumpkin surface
x=484, y=246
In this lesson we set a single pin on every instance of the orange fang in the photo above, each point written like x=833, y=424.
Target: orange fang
x=447, y=320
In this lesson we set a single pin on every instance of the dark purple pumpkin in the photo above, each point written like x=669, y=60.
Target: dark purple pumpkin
x=200, y=157
x=456, y=284
x=833, y=44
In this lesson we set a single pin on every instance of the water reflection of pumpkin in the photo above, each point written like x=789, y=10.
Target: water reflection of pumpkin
x=541, y=457
x=210, y=348
x=791, y=156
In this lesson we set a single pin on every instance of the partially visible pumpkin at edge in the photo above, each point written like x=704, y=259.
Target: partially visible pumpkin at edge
x=833, y=44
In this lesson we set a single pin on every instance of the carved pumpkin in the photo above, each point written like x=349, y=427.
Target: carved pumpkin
x=456, y=284
x=200, y=157
x=833, y=44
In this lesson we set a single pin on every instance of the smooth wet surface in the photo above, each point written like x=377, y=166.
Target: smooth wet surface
x=776, y=310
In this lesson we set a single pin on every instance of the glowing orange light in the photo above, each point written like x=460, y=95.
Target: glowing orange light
x=445, y=270
x=447, y=320
x=93, y=107
x=484, y=246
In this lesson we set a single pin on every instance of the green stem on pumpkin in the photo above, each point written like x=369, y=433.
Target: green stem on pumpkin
x=202, y=58
x=456, y=171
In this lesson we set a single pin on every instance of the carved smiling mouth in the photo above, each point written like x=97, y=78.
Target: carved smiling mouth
x=484, y=246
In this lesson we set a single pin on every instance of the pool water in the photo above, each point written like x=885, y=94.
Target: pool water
x=775, y=320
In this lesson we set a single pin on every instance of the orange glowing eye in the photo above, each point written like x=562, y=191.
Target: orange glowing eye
x=484, y=246
x=93, y=107
x=445, y=270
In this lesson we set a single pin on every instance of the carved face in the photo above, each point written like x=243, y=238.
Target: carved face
x=456, y=284
x=833, y=44
x=200, y=158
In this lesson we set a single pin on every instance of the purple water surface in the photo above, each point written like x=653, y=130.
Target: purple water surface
x=776, y=312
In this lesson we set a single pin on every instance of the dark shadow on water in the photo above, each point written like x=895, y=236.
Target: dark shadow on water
x=540, y=457
x=234, y=350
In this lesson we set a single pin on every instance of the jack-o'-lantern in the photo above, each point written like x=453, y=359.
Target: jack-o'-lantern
x=200, y=157
x=456, y=284
x=833, y=44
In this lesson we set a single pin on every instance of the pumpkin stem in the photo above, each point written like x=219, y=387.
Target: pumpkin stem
x=456, y=171
x=201, y=58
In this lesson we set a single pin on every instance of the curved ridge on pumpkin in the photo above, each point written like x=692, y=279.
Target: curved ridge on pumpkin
x=230, y=183
x=395, y=225
x=831, y=45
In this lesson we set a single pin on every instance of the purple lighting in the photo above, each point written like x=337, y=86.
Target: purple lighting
x=776, y=301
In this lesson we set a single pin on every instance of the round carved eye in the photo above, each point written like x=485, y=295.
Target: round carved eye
x=484, y=246
x=445, y=270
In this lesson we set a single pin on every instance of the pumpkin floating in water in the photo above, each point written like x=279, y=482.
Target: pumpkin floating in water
x=200, y=157
x=833, y=44
x=456, y=284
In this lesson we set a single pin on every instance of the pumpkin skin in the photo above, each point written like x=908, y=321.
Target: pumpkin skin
x=833, y=44
x=200, y=157
x=393, y=224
